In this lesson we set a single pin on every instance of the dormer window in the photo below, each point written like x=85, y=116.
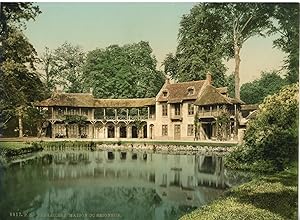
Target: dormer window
x=165, y=93
x=191, y=91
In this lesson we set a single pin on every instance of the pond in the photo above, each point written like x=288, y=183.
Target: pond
x=84, y=184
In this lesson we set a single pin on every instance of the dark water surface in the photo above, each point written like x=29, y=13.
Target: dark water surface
x=111, y=185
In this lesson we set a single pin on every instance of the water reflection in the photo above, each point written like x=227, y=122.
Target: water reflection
x=134, y=185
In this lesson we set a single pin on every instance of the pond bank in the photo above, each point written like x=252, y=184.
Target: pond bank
x=14, y=147
x=268, y=197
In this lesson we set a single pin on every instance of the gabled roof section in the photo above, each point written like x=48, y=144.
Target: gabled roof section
x=87, y=100
x=69, y=100
x=211, y=96
x=178, y=92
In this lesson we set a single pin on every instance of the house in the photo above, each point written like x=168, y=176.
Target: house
x=180, y=111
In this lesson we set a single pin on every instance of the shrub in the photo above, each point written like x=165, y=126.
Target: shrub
x=271, y=140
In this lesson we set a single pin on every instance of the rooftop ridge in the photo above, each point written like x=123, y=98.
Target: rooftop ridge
x=187, y=82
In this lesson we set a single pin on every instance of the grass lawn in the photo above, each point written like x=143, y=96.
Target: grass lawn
x=8, y=149
x=14, y=145
x=269, y=197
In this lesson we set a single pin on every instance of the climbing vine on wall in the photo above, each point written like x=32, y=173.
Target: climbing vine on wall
x=223, y=125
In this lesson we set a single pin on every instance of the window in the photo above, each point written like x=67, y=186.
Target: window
x=190, y=130
x=190, y=91
x=165, y=94
x=177, y=109
x=164, y=130
x=191, y=109
x=165, y=109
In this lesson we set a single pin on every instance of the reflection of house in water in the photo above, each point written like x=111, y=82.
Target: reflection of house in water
x=181, y=179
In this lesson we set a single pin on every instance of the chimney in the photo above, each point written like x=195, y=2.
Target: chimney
x=167, y=81
x=91, y=91
x=208, y=78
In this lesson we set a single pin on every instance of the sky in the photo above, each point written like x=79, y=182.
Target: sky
x=98, y=25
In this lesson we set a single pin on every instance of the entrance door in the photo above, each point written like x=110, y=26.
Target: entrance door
x=208, y=130
x=177, y=132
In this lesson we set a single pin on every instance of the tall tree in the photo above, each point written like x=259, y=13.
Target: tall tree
x=170, y=64
x=123, y=72
x=241, y=22
x=287, y=25
x=268, y=84
x=63, y=67
x=20, y=84
x=13, y=15
x=200, y=48
x=216, y=31
x=48, y=75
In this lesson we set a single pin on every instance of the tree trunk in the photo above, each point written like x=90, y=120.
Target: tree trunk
x=237, y=71
x=67, y=130
x=20, y=125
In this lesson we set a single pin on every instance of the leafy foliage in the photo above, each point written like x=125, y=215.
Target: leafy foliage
x=213, y=32
x=255, y=92
x=171, y=65
x=80, y=120
x=63, y=67
x=20, y=84
x=287, y=17
x=271, y=140
x=14, y=14
x=34, y=119
x=230, y=84
x=123, y=72
x=223, y=124
x=200, y=48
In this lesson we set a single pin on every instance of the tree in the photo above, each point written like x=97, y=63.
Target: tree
x=255, y=92
x=63, y=67
x=241, y=22
x=13, y=15
x=123, y=72
x=271, y=140
x=287, y=25
x=171, y=65
x=20, y=84
x=200, y=48
x=216, y=31
x=230, y=84
x=34, y=119
x=48, y=67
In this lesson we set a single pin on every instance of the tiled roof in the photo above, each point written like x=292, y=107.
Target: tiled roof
x=68, y=99
x=179, y=91
x=87, y=100
x=211, y=95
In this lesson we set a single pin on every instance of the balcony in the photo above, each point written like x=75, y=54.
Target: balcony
x=176, y=117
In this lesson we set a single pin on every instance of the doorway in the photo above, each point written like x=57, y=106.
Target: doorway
x=177, y=133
